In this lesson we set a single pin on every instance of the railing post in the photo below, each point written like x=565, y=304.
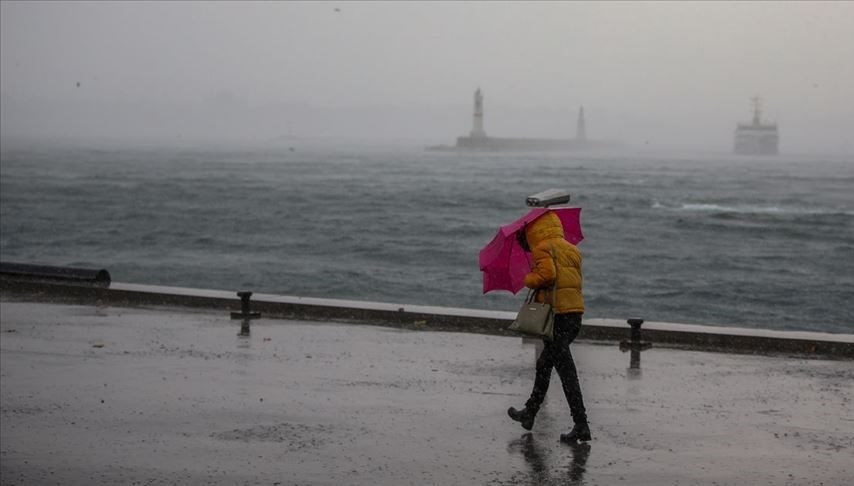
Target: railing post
x=245, y=313
x=635, y=344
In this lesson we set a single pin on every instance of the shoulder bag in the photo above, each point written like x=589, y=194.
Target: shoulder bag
x=537, y=319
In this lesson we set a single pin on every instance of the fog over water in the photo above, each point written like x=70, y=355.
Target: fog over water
x=654, y=75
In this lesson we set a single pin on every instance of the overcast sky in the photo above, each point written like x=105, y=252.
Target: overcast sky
x=665, y=74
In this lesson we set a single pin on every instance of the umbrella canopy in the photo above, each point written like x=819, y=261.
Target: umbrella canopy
x=503, y=261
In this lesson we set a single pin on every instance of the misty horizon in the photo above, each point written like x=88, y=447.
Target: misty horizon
x=657, y=76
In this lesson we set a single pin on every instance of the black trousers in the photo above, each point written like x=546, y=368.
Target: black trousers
x=556, y=355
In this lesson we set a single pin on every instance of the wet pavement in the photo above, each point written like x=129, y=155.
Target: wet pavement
x=111, y=395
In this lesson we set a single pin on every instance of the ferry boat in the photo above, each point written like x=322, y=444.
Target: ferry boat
x=758, y=137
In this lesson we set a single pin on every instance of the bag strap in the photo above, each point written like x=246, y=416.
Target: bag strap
x=554, y=284
x=530, y=297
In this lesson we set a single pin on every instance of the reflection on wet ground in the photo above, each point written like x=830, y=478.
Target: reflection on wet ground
x=121, y=396
x=547, y=464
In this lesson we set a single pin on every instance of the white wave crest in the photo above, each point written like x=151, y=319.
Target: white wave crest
x=750, y=209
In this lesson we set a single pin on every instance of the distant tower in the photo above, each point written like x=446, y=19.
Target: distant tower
x=581, y=127
x=477, y=122
x=757, y=110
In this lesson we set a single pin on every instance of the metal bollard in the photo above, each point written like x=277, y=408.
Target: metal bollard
x=245, y=314
x=635, y=344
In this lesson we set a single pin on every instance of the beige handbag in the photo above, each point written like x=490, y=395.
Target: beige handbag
x=535, y=319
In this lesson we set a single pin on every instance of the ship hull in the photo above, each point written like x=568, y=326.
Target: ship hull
x=756, y=140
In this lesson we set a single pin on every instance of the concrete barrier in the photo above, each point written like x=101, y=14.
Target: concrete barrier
x=709, y=338
x=47, y=273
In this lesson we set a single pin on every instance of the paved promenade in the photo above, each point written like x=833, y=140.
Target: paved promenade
x=106, y=395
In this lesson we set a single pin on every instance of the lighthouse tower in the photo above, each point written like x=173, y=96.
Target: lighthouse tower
x=581, y=127
x=477, y=121
x=757, y=110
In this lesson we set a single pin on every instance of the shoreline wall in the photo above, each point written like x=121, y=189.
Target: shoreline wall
x=427, y=318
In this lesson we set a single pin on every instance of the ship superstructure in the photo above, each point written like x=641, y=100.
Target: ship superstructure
x=757, y=137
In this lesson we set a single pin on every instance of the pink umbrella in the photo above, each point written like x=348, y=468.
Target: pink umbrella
x=503, y=261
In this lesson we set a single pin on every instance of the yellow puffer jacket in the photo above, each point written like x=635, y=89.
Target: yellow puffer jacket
x=545, y=233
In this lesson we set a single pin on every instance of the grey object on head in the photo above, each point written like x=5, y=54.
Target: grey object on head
x=547, y=198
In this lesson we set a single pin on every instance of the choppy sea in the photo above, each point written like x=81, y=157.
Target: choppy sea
x=709, y=239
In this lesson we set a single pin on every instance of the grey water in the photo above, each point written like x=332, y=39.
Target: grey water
x=708, y=239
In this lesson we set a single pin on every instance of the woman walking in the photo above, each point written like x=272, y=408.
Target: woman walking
x=554, y=258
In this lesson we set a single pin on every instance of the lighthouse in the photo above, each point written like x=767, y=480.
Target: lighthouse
x=477, y=139
x=581, y=127
x=477, y=120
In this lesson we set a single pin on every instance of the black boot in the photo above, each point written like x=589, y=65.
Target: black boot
x=524, y=416
x=580, y=432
